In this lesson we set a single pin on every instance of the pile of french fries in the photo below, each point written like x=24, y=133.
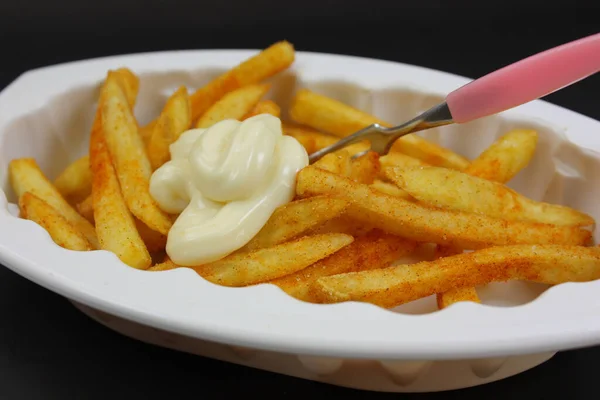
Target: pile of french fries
x=355, y=214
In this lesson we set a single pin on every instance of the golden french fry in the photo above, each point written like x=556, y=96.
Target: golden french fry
x=334, y=117
x=264, y=107
x=454, y=190
x=175, y=118
x=267, y=63
x=147, y=130
x=114, y=223
x=155, y=242
x=500, y=163
x=313, y=140
x=457, y=295
x=337, y=163
x=374, y=250
x=62, y=232
x=392, y=286
x=400, y=160
x=234, y=105
x=26, y=176
x=86, y=209
x=130, y=84
x=390, y=189
x=242, y=269
x=75, y=182
x=506, y=157
x=166, y=265
x=342, y=224
x=366, y=168
x=293, y=219
x=414, y=221
x=129, y=156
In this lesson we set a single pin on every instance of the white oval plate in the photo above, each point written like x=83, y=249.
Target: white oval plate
x=47, y=113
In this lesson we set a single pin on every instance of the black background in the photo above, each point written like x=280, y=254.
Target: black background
x=49, y=350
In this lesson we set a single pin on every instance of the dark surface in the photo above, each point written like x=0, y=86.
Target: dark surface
x=49, y=350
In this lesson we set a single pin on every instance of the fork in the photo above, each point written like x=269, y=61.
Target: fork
x=508, y=87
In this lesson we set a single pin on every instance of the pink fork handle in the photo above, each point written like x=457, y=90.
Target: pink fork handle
x=526, y=80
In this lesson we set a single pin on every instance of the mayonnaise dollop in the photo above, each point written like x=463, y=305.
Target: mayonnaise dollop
x=226, y=181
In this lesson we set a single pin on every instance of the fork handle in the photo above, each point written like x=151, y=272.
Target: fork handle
x=526, y=80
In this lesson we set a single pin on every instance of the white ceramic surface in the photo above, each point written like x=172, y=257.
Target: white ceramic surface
x=47, y=114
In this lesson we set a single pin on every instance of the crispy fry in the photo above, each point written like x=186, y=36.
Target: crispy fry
x=267, y=63
x=147, y=131
x=86, y=208
x=334, y=117
x=364, y=169
x=343, y=224
x=293, y=219
x=454, y=190
x=313, y=140
x=114, y=223
x=506, y=157
x=374, y=250
x=130, y=84
x=75, y=182
x=413, y=221
x=273, y=262
x=336, y=163
x=129, y=156
x=166, y=265
x=390, y=287
x=174, y=119
x=155, y=242
x=26, y=176
x=500, y=162
x=264, y=107
x=457, y=294
x=390, y=189
x=62, y=232
x=400, y=160
x=234, y=105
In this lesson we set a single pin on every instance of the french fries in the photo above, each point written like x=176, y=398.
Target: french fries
x=129, y=156
x=273, y=262
x=506, y=157
x=338, y=163
x=393, y=286
x=256, y=69
x=114, y=223
x=234, y=105
x=400, y=160
x=500, y=163
x=75, y=182
x=390, y=189
x=355, y=213
x=175, y=119
x=61, y=231
x=413, y=221
x=269, y=263
x=372, y=251
x=86, y=208
x=26, y=176
x=366, y=168
x=336, y=118
x=453, y=190
x=313, y=140
x=293, y=219
x=264, y=107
